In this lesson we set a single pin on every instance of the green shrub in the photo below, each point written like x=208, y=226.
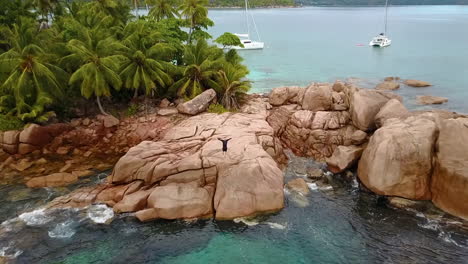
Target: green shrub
x=132, y=110
x=217, y=108
x=10, y=123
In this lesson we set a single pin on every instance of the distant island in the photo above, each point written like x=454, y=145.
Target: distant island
x=274, y=3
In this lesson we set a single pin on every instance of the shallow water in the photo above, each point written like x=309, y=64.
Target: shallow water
x=335, y=224
x=323, y=44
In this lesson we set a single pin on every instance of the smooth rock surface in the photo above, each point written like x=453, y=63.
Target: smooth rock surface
x=398, y=159
x=343, y=158
x=429, y=99
x=449, y=185
x=417, y=83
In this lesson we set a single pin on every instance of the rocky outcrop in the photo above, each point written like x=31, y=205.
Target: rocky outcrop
x=449, y=185
x=196, y=179
x=318, y=97
x=398, y=158
x=392, y=109
x=417, y=83
x=388, y=85
x=343, y=158
x=428, y=99
x=198, y=104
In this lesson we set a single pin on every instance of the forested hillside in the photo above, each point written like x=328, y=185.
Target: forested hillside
x=252, y=3
x=265, y=3
x=381, y=2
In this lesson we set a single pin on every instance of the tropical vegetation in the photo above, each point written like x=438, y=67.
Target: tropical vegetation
x=55, y=54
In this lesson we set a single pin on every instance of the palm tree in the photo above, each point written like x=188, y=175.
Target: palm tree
x=32, y=81
x=231, y=85
x=202, y=62
x=196, y=14
x=162, y=9
x=98, y=69
x=143, y=68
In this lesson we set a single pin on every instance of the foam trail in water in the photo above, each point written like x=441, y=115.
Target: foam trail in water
x=312, y=186
x=249, y=222
x=9, y=252
x=275, y=225
x=35, y=218
x=63, y=230
x=100, y=213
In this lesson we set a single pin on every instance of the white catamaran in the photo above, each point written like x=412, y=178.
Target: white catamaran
x=245, y=38
x=382, y=40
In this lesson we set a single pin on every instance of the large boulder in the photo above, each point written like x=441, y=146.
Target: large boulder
x=449, y=185
x=398, y=158
x=365, y=104
x=189, y=163
x=318, y=97
x=180, y=201
x=429, y=99
x=343, y=158
x=392, y=109
x=416, y=83
x=198, y=104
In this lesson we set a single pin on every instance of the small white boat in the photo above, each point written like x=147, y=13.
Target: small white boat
x=382, y=40
x=248, y=44
x=245, y=38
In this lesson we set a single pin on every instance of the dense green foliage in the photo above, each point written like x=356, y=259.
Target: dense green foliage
x=55, y=53
x=10, y=123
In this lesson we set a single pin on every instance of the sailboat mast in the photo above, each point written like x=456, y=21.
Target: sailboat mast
x=386, y=15
x=247, y=18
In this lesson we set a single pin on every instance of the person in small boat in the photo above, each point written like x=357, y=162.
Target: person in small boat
x=225, y=143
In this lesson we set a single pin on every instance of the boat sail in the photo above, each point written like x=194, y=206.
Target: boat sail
x=382, y=39
x=245, y=38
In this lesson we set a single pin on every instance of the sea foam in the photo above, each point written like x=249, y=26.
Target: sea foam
x=100, y=213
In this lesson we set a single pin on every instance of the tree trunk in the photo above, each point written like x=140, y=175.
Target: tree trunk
x=135, y=94
x=190, y=31
x=100, y=106
x=136, y=8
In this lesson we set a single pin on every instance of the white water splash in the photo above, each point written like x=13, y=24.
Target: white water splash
x=9, y=252
x=246, y=221
x=448, y=238
x=276, y=225
x=326, y=188
x=35, y=218
x=299, y=199
x=312, y=186
x=100, y=213
x=63, y=230
x=431, y=225
x=286, y=191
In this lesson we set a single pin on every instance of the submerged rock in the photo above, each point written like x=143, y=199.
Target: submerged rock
x=299, y=185
x=388, y=85
x=428, y=99
x=417, y=83
x=53, y=180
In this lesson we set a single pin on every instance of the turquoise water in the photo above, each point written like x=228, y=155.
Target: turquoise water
x=430, y=43
x=337, y=224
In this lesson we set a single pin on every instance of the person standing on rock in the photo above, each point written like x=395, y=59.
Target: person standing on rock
x=225, y=142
